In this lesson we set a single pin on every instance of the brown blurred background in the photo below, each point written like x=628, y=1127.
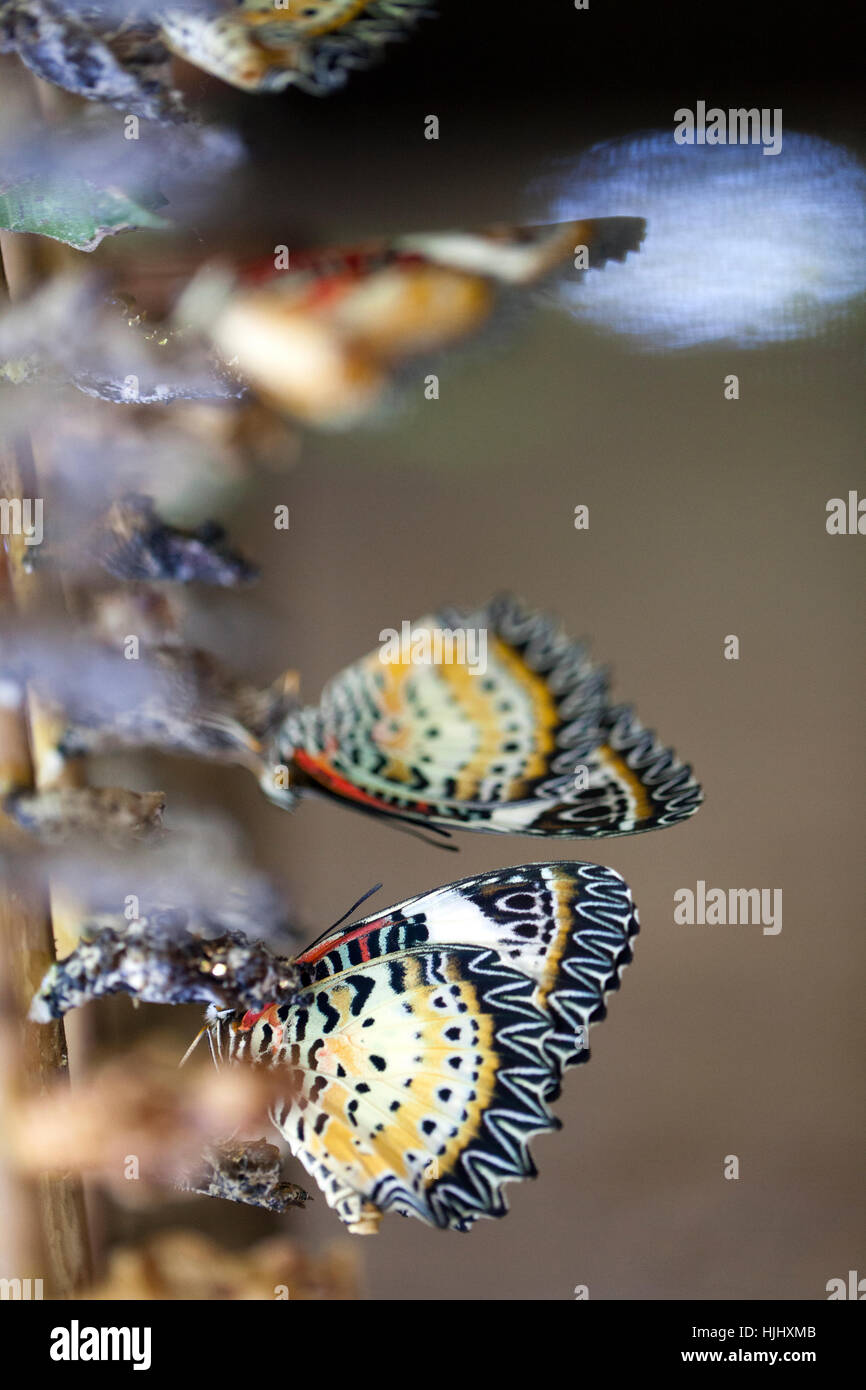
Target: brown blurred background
x=707, y=518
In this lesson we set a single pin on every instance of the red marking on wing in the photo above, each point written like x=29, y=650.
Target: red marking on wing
x=354, y=263
x=250, y=1019
x=320, y=770
x=359, y=934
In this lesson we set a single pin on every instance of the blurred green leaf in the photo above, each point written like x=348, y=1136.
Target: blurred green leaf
x=72, y=210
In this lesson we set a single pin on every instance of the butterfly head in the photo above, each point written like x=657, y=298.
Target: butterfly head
x=221, y=1026
x=234, y=1035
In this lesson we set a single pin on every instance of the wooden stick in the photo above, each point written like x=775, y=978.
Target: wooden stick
x=44, y=1231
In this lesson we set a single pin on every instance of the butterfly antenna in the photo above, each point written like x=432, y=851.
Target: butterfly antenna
x=369, y=893
x=404, y=823
x=425, y=836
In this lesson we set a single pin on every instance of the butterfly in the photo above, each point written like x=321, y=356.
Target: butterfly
x=323, y=335
x=267, y=45
x=423, y=1045
x=530, y=744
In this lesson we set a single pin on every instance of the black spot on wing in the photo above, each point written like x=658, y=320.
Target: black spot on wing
x=329, y=1014
x=363, y=986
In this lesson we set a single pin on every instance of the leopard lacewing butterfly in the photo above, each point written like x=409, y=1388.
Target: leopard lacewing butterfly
x=531, y=745
x=424, y=1045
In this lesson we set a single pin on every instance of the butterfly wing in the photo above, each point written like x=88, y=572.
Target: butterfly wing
x=325, y=338
x=260, y=47
x=428, y=1041
x=524, y=741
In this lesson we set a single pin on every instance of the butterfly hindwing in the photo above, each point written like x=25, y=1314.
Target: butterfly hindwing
x=414, y=1097
x=514, y=735
x=629, y=783
x=427, y=1042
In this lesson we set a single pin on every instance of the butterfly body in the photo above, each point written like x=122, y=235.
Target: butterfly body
x=423, y=1046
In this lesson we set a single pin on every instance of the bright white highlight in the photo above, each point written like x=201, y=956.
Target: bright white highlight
x=739, y=249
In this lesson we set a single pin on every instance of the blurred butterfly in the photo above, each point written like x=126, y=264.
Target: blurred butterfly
x=524, y=741
x=323, y=336
x=122, y=55
x=266, y=45
x=423, y=1045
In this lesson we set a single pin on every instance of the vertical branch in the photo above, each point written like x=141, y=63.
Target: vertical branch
x=24, y=261
x=45, y=1229
x=44, y=1232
